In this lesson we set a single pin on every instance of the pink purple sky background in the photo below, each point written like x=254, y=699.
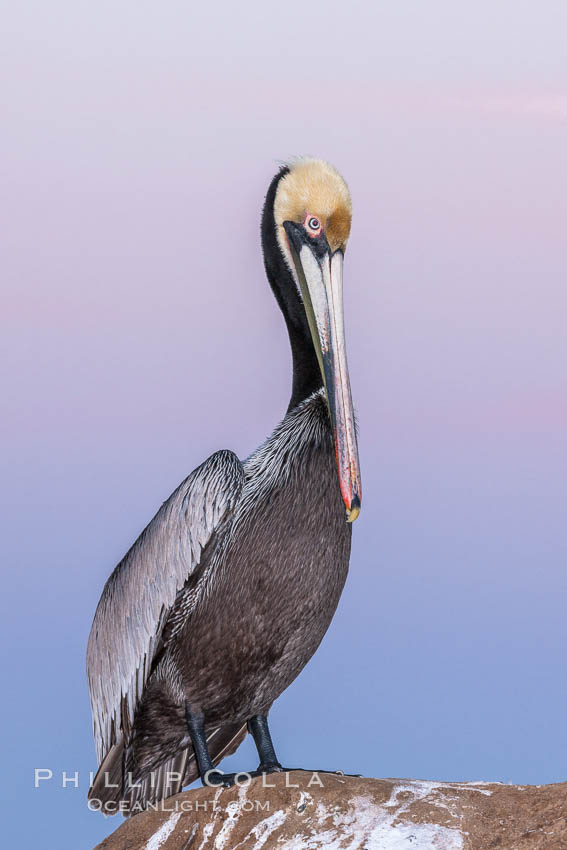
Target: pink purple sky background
x=139, y=335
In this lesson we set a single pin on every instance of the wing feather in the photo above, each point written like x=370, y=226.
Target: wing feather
x=137, y=597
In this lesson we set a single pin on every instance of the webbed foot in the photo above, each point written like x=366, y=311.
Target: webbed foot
x=218, y=779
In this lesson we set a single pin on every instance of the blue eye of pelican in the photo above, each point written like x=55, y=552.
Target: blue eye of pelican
x=314, y=223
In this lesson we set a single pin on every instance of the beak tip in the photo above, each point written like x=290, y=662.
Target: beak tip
x=354, y=510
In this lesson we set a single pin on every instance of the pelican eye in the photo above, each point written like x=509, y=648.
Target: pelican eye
x=313, y=224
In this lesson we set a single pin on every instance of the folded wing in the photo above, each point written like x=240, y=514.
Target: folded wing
x=136, y=599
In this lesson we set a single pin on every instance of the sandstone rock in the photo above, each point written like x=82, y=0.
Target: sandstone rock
x=298, y=812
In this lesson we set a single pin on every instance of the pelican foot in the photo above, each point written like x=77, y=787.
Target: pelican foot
x=329, y=772
x=218, y=779
x=270, y=767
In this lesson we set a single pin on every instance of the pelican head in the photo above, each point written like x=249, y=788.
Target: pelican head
x=305, y=228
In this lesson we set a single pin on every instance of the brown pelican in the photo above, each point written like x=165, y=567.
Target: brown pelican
x=229, y=590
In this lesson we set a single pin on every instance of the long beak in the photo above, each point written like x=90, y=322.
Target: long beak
x=320, y=278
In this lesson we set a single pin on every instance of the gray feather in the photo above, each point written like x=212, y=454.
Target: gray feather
x=140, y=592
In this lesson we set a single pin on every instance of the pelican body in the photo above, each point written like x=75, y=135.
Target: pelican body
x=227, y=593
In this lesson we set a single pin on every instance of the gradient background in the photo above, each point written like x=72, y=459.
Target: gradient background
x=139, y=335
